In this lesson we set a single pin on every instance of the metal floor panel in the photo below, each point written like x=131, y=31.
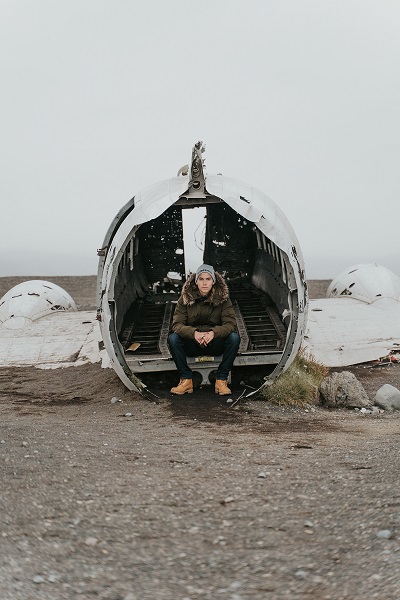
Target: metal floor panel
x=263, y=324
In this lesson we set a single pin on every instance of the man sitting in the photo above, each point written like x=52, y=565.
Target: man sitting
x=204, y=323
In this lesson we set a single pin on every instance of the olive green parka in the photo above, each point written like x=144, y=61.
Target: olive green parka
x=193, y=313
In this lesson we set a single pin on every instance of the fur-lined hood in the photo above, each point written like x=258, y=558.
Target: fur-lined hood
x=219, y=292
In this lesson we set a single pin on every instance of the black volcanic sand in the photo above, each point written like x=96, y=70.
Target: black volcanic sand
x=107, y=494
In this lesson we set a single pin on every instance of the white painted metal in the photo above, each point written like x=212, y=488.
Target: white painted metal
x=149, y=204
x=258, y=208
x=358, y=327
x=67, y=339
x=31, y=300
x=367, y=282
x=249, y=202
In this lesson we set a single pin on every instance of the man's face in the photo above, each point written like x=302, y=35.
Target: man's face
x=204, y=283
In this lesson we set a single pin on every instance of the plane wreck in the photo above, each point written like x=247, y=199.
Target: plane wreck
x=359, y=320
x=31, y=300
x=142, y=269
x=40, y=325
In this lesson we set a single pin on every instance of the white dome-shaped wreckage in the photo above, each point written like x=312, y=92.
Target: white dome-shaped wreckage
x=31, y=300
x=142, y=268
x=41, y=326
x=367, y=282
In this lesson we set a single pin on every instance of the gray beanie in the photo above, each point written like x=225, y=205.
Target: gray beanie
x=205, y=269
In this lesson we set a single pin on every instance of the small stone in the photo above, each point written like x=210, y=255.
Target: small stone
x=235, y=585
x=227, y=500
x=219, y=540
x=91, y=541
x=194, y=529
x=229, y=400
x=261, y=475
x=308, y=523
x=388, y=397
x=384, y=534
x=3, y=442
x=127, y=414
x=301, y=574
x=24, y=444
x=38, y=579
x=114, y=400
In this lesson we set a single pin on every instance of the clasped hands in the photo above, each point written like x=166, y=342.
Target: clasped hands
x=203, y=337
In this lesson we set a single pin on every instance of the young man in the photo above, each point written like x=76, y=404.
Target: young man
x=204, y=323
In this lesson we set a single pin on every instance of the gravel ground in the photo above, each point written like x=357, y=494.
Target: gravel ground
x=106, y=494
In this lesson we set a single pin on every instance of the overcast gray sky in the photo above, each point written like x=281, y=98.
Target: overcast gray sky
x=100, y=99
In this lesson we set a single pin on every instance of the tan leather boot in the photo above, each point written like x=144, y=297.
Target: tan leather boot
x=221, y=387
x=185, y=386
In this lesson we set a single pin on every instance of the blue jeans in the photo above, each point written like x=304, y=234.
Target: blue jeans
x=181, y=348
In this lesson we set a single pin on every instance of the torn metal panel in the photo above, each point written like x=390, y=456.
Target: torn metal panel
x=342, y=333
x=55, y=340
x=359, y=321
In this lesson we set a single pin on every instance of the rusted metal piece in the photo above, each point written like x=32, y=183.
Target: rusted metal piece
x=102, y=251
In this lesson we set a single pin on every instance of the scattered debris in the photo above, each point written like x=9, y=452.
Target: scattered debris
x=133, y=347
x=237, y=399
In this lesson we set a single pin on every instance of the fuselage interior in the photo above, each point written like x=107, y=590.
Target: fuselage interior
x=151, y=273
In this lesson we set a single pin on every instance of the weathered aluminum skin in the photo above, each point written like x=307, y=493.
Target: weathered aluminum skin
x=359, y=321
x=32, y=300
x=247, y=201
